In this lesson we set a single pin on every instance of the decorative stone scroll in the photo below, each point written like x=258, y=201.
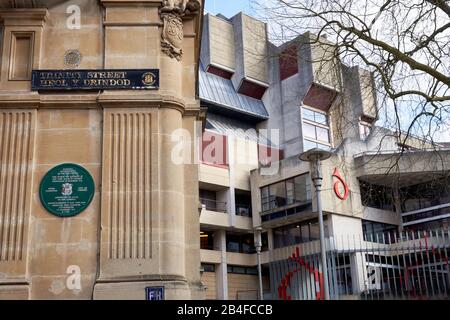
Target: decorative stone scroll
x=172, y=14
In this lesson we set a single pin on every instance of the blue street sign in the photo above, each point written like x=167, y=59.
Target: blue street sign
x=154, y=293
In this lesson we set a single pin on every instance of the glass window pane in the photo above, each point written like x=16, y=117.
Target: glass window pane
x=314, y=231
x=278, y=237
x=305, y=232
x=308, y=114
x=252, y=271
x=300, y=188
x=291, y=236
x=323, y=134
x=238, y=270
x=323, y=146
x=265, y=200
x=277, y=195
x=309, y=131
x=290, y=191
x=232, y=243
x=320, y=118
x=308, y=145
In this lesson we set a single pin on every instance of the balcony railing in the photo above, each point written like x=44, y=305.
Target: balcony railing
x=213, y=205
x=426, y=215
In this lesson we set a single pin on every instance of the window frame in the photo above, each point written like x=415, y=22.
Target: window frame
x=267, y=202
x=316, y=125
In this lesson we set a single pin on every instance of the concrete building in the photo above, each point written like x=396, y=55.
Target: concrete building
x=268, y=104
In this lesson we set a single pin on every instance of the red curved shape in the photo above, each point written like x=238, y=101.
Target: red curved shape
x=286, y=281
x=336, y=186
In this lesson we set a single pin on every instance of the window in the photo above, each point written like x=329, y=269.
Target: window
x=364, y=130
x=284, y=193
x=208, y=267
x=377, y=231
x=242, y=270
x=240, y=243
x=297, y=233
x=243, y=202
x=343, y=275
x=206, y=240
x=209, y=200
x=425, y=195
x=376, y=196
x=316, y=130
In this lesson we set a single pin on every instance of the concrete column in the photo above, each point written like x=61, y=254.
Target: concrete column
x=270, y=239
x=359, y=272
x=220, y=243
x=231, y=201
x=172, y=218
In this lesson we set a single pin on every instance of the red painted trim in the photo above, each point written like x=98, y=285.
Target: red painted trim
x=220, y=72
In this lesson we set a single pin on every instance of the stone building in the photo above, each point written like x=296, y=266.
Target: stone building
x=141, y=227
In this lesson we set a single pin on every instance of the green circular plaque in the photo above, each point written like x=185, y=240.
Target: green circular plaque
x=67, y=190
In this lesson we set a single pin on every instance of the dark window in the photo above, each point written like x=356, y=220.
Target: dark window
x=376, y=196
x=208, y=267
x=240, y=243
x=243, y=204
x=425, y=195
x=297, y=233
x=264, y=242
x=208, y=199
x=206, y=240
x=344, y=275
x=378, y=232
x=421, y=228
x=284, y=193
x=242, y=270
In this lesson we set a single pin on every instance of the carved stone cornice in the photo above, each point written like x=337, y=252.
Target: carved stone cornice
x=172, y=14
x=24, y=17
x=19, y=4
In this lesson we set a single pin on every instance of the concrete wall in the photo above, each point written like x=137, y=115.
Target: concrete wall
x=221, y=42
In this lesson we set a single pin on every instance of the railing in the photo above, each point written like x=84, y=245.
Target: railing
x=400, y=267
x=213, y=205
x=426, y=215
x=243, y=210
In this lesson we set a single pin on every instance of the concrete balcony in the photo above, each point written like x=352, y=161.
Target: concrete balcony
x=210, y=256
x=241, y=259
x=224, y=220
x=215, y=175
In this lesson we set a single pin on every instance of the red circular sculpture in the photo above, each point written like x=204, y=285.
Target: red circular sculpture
x=336, y=186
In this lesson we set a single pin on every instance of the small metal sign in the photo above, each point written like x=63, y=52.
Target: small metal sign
x=110, y=79
x=66, y=190
x=154, y=293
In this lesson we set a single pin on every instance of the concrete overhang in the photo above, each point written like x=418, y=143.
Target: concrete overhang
x=394, y=168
